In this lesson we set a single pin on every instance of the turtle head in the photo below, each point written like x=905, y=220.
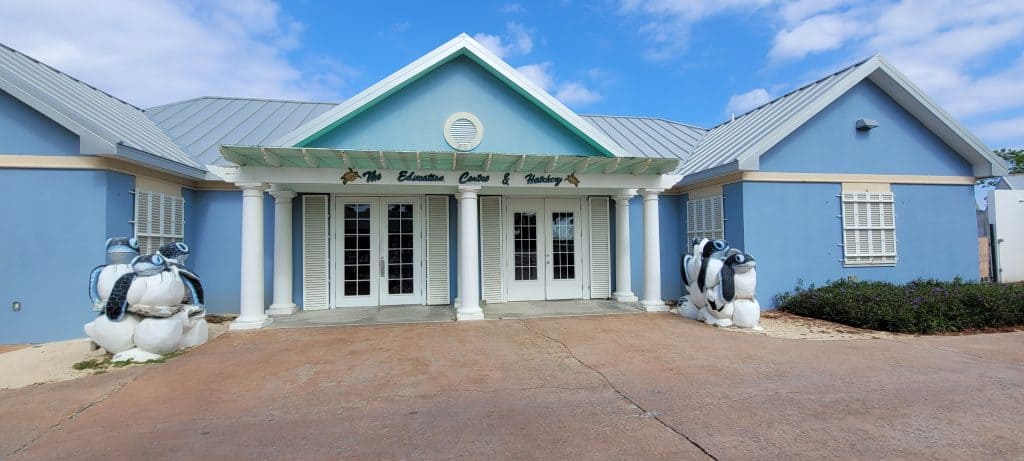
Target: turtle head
x=741, y=262
x=121, y=250
x=174, y=252
x=149, y=264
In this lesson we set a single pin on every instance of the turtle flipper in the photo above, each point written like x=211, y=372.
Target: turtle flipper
x=195, y=288
x=728, y=283
x=684, y=267
x=94, y=280
x=117, y=303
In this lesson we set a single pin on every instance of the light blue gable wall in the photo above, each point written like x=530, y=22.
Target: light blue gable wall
x=52, y=238
x=794, y=232
x=733, y=213
x=23, y=130
x=217, y=247
x=670, y=218
x=828, y=143
x=413, y=118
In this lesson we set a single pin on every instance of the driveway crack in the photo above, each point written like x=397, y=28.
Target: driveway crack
x=74, y=415
x=644, y=412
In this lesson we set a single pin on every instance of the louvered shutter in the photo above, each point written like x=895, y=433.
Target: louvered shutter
x=705, y=218
x=600, y=249
x=490, y=250
x=438, y=281
x=315, y=292
x=869, y=228
x=142, y=220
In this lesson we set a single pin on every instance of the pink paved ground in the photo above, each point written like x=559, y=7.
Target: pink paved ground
x=646, y=386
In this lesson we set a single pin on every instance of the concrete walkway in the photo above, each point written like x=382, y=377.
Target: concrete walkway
x=643, y=386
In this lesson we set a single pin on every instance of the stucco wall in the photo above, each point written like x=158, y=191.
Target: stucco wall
x=23, y=130
x=671, y=223
x=829, y=143
x=794, y=232
x=413, y=118
x=52, y=239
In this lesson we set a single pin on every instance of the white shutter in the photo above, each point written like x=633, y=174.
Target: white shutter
x=490, y=249
x=438, y=281
x=314, y=253
x=705, y=218
x=600, y=249
x=869, y=228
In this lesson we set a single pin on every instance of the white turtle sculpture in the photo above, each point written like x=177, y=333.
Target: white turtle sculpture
x=144, y=312
x=720, y=283
x=120, y=252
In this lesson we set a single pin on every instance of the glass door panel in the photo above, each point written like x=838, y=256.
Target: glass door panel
x=526, y=243
x=401, y=252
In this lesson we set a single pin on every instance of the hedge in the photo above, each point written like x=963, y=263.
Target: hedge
x=921, y=306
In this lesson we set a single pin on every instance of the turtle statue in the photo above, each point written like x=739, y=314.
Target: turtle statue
x=719, y=282
x=120, y=252
x=152, y=289
x=176, y=253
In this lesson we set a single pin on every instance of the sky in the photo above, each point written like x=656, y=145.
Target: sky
x=692, y=61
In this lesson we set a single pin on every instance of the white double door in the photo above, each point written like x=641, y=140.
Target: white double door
x=545, y=244
x=378, y=248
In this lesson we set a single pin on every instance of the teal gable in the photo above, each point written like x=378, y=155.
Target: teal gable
x=23, y=130
x=413, y=117
x=829, y=143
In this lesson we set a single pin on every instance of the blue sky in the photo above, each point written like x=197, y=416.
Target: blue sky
x=692, y=61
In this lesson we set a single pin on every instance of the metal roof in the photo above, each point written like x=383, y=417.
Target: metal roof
x=202, y=125
x=104, y=123
x=650, y=137
x=1014, y=182
x=724, y=143
x=317, y=157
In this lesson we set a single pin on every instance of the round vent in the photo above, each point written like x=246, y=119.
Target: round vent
x=463, y=131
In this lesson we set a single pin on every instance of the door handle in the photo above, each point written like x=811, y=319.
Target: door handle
x=381, y=266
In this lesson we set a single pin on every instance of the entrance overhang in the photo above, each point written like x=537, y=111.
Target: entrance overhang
x=357, y=168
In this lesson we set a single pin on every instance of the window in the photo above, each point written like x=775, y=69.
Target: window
x=705, y=218
x=159, y=219
x=869, y=229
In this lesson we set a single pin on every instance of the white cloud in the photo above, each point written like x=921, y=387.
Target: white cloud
x=819, y=33
x=160, y=51
x=570, y=92
x=667, y=22
x=539, y=74
x=741, y=103
x=1008, y=130
x=575, y=93
x=517, y=41
x=512, y=8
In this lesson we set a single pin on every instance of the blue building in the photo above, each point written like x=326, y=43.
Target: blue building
x=457, y=181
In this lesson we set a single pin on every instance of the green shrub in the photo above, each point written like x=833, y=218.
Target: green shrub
x=921, y=306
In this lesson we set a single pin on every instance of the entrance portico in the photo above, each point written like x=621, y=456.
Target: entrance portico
x=529, y=227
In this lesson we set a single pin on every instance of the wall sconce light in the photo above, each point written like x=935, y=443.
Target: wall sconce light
x=16, y=306
x=866, y=124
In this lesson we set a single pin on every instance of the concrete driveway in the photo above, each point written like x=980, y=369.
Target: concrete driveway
x=644, y=386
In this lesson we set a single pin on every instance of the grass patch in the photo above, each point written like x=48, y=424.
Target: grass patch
x=104, y=364
x=921, y=306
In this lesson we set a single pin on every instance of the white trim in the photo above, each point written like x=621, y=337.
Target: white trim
x=449, y=137
x=325, y=298
x=461, y=45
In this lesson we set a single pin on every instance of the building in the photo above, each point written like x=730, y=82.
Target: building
x=457, y=181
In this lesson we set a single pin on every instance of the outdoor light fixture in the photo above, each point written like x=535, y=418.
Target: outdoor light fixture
x=866, y=124
x=16, y=306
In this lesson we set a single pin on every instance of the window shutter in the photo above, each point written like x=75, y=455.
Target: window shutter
x=437, y=250
x=600, y=249
x=717, y=217
x=869, y=228
x=315, y=292
x=705, y=218
x=490, y=249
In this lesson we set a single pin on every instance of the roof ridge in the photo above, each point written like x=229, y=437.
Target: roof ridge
x=239, y=98
x=83, y=82
x=798, y=89
x=645, y=117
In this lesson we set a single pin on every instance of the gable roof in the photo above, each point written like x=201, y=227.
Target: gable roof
x=201, y=125
x=106, y=125
x=649, y=136
x=1012, y=182
x=738, y=144
x=462, y=45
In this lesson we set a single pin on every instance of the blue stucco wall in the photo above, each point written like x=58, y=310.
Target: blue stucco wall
x=217, y=247
x=794, y=232
x=828, y=143
x=413, y=118
x=52, y=238
x=671, y=223
x=732, y=203
x=23, y=130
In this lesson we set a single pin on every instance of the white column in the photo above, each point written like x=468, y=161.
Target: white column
x=458, y=272
x=652, y=254
x=623, y=284
x=252, y=316
x=469, y=262
x=282, y=304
